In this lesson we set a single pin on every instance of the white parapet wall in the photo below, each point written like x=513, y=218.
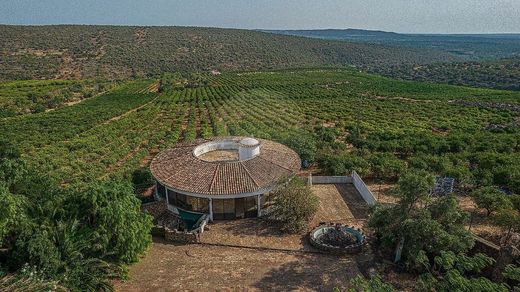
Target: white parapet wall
x=363, y=189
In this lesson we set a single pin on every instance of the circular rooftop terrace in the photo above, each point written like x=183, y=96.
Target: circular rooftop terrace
x=224, y=166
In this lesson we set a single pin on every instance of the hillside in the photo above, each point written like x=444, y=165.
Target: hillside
x=467, y=46
x=79, y=52
x=500, y=74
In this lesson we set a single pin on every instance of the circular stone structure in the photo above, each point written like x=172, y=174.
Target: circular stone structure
x=225, y=177
x=337, y=238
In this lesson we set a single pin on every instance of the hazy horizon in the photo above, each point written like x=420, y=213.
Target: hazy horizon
x=402, y=16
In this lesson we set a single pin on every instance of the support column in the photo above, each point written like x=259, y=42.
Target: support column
x=259, y=205
x=157, y=191
x=167, y=202
x=210, y=209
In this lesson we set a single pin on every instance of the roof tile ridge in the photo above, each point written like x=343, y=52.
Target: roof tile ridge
x=214, y=177
x=249, y=174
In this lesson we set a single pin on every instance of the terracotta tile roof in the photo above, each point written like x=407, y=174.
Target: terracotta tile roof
x=179, y=169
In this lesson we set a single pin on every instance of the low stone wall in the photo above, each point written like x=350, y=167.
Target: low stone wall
x=154, y=208
x=182, y=237
x=350, y=249
x=485, y=247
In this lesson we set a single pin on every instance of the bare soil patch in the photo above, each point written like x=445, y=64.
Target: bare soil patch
x=339, y=203
x=168, y=267
x=252, y=254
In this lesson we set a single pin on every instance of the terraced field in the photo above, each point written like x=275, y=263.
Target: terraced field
x=114, y=134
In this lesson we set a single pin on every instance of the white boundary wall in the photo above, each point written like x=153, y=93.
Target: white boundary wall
x=363, y=189
x=331, y=179
x=354, y=179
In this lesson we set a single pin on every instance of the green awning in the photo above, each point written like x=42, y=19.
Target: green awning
x=190, y=218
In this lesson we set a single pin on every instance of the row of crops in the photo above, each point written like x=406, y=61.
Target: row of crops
x=117, y=133
x=35, y=96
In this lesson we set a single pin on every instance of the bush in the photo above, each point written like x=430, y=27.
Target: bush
x=142, y=177
x=374, y=284
x=294, y=206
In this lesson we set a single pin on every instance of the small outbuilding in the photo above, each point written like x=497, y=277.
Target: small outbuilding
x=225, y=177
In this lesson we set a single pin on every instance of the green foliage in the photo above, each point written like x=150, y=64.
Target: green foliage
x=455, y=272
x=294, y=206
x=79, y=236
x=142, y=177
x=343, y=164
x=112, y=212
x=374, y=284
x=386, y=165
x=12, y=213
x=12, y=168
x=512, y=272
x=303, y=144
x=491, y=199
x=24, y=97
x=425, y=226
x=509, y=220
x=64, y=253
x=29, y=280
x=82, y=142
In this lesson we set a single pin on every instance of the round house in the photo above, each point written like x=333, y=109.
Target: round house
x=225, y=177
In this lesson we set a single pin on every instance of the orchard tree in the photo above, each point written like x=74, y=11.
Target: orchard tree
x=509, y=220
x=386, y=165
x=491, y=199
x=418, y=225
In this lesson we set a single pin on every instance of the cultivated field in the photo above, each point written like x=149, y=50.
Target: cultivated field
x=421, y=124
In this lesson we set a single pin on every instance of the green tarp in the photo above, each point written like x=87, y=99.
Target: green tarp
x=190, y=218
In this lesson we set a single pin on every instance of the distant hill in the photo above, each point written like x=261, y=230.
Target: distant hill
x=78, y=52
x=500, y=74
x=468, y=46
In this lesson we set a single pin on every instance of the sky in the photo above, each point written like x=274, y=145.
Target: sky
x=407, y=16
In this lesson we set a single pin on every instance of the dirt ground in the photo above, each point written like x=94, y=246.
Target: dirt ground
x=256, y=232
x=169, y=267
x=252, y=254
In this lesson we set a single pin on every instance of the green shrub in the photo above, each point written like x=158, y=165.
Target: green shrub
x=294, y=206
